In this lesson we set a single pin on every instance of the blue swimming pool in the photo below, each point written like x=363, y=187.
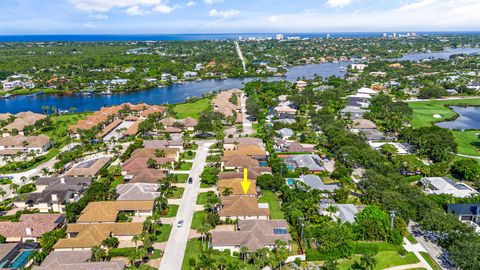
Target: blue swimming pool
x=263, y=164
x=290, y=181
x=22, y=259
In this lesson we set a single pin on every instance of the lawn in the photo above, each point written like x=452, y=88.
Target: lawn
x=203, y=197
x=177, y=193
x=198, y=218
x=172, y=210
x=193, y=249
x=385, y=259
x=272, y=200
x=182, y=178
x=192, y=109
x=423, y=117
x=411, y=238
x=430, y=261
x=423, y=111
x=185, y=166
x=189, y=155
x=164, y=234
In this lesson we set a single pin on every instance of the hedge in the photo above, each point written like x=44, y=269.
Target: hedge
x=121, y=252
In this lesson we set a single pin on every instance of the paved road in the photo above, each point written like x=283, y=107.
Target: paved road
x=431, y=248
x=416, y=249
x=240, y=55
x=177, y=243
x=247, y=124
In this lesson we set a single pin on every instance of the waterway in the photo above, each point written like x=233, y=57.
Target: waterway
x=468, y=118
x=177, y=93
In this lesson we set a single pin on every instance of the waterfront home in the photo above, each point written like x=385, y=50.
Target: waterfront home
x=54, y=193
x=190, y=75
x=82, y=237
x=359, y=67
x=30, y=227
x=252, y=234
x=444, y=185
x=367, y=91
x=22, y=120
x=107, y=211
x=14, y=144
x=137, y=192
x=222, y=103
x=242, y=208
x=78, y=259
x=300, y=85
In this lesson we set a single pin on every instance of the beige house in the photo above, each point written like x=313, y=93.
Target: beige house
x=19, y=143
x=243, y=208
x=31, y=227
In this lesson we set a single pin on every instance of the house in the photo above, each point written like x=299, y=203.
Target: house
x=452, y=92
x=354, y=112
x=285, y=112
x=79, y=259
x=359, y=67
x=253, y=151
x=362, y=124
x=402, y=148
x=300, y=85
x=465, y=212
x=236, y=162
x=88, y=168
x=242, y=208
x=342, y=212
x=54, y=193
x=444, y=185
x=19, y=143
x=21, y=121
x=285, y=133
x=30, y=227
x=367, y=91
x=311, y=162
x=359, y=101
x=107, y=211
x=374, y=135
x=149, y=176
x=222, y=103
x=81, y=237
x=315, y=182
x=136, y=164
x=163, y=144
x=190, y=75
x=137, y=192
x=234, y=143
x=235, y=186
x=293, y=147
x=252, y=234
x=171, y=153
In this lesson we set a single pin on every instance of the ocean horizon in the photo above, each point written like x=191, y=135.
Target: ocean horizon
x=196, y=37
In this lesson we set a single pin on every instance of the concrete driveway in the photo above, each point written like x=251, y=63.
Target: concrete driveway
x=177, y=243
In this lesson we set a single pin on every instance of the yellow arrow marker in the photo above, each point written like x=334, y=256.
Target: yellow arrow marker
x=245, y=182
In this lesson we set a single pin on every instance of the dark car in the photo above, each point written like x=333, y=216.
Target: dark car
x=190, y=180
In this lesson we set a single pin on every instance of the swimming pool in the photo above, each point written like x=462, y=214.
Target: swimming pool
x=290, y=182
x=22, y=259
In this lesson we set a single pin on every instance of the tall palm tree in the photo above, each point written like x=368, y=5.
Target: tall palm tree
x=243, y=252
x=45, y=171
x=203, y=231
x=23, y=179
x=368, y=262
x=135, y=239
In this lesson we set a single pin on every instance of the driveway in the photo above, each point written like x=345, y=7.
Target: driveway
x=177, y=243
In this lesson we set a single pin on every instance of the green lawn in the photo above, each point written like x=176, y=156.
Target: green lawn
x=385, y=259
x=198, y=218
x=430, y=261
x=165, y=233
x=193, y=249
x=423, y=111
x=411, y=238
x=272, y=200
x=177, y=193
x=182, y=178
x=192, y=109
x=172, y=210
x=186, y=166
x=202, y=197
x=188, y=155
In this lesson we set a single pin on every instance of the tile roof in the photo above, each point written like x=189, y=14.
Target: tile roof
x=137, y=192
x=151, y=152
x=24, y=119
x=137, y=163
x=239, y=161
x=244, y=141
x=146, y=176
x=107, y=211
x=236, y=186
x=249, y=150
x=233, y=206
x=79, y=260
x=88, y=168
x=253, y=234
x=162, y=143
x=133, y=129
x=25, y=141
x=38, y=223
x=363, y=124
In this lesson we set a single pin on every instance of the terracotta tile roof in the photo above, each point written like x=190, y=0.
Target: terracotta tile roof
x=38, y=223
x=146, y=176
x=79, y=260
x=363, y=124
x=135, y=164
x=150, y=152
x=249, y=150
x=233, y=206
x=172, y=130
x=108, y=211
x=23, y=120
x=90, y=235
x=5, y=116
x=239, y=161
x=222, y=104
x=109, y=128
x=25, y=141
x=133, y=129
x=88, y=168
x=139, y=107
x=253, y=234
x=236, y=186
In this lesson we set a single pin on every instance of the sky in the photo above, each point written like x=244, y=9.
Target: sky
x=20, y=17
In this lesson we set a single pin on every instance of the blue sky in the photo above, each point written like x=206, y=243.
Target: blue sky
x=234, y=16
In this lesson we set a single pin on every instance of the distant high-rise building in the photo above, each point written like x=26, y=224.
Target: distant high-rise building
x=384, y=35
x=240, y=38
x=414, y=34
x=279, y=37
x=328, y=36
x=394, y=35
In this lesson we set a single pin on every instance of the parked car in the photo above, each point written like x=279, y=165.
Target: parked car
x=180, y=223
x=190, y=180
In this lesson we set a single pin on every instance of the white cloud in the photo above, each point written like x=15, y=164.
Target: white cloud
x=164, y=9
x=191, y=3
x=338, y=3
x=135, y=11
x=209, y=2
x=223, y=13
x=107, y=5
x=90, y=25
x=98, y=16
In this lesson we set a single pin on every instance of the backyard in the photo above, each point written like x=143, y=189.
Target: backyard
x=272, y=200
x=192, y=109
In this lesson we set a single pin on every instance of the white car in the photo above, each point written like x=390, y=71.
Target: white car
x=180, y=223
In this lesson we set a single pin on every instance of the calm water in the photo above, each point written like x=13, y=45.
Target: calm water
x=469, y=118
x=437, y=55
x=177, y=93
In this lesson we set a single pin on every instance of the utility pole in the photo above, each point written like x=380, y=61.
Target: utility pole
x=303, y=226
x=392, y=217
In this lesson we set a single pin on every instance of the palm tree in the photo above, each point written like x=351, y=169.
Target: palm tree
x=23, y=179
x=135, y=239
x=98, y=254
x=243, y=252
x=160, y=152
x=14, y=187
x=368, y=262
x=227, y=191
x=45, y=171
x=205, y=261
x=203, y=231
x=2, y=193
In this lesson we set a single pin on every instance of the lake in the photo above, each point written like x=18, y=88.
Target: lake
x=177, y=93
x=469, y=118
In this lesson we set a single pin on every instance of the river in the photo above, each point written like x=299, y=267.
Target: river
x=177, y=93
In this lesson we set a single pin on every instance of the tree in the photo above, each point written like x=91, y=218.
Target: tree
x=281, y=252
x=432, y=91
x=203, y=231
x=373, y=224
x=111, y=242
x=330, y=265
x=98, y=254
x=368, y=262
x=466, y=169
x=151, y=163
x=335, y=240
x=270, y=182
x=243, y=253
x=227, y=191
x=45, y=172
x=2, y=239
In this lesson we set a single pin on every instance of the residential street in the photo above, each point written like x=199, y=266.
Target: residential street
x=177, y=243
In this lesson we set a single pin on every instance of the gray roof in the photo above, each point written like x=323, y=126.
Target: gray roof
x=64, y=188
x=286, y=132
x=137, y=192
x=374, y=135
x=6, y=249
x=162, y=143
x=311, y=162
x=52, y=181
x=316, y=182
x=345, y=212
x=464, y=209
x=287, y=121
x=78, y=260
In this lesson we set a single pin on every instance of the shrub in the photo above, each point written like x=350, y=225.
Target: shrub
x=365, y=248
x=121, y=252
